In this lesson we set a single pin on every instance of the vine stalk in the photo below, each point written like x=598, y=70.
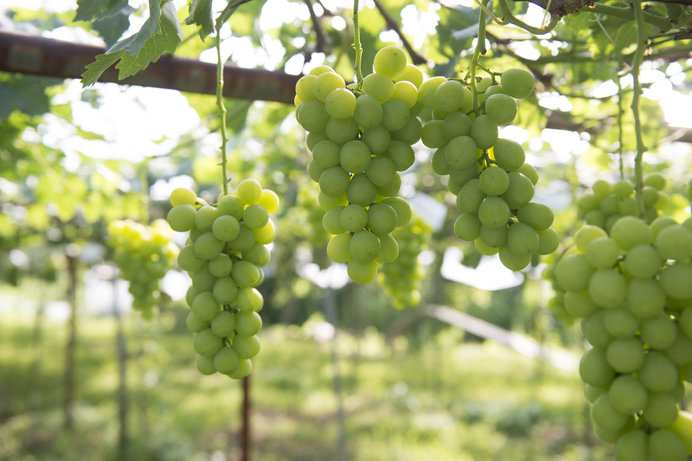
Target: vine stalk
x=636, y=64
x=480, y=48
x=221, y=107
x=356, y=45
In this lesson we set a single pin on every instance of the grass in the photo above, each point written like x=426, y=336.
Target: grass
x=451, y=400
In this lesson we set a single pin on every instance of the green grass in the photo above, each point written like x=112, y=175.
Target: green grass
x=449, y=401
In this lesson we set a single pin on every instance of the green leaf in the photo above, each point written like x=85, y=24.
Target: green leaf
x=160, y=33
x=24, y=93
x=113, y=23
x=88, y=10
x=200, y=14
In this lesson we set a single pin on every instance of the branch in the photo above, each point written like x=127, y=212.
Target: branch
x=393, y=25
x=323, y=43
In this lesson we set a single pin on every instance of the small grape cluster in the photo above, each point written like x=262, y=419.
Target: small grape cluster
x=632, y=288
x=143, y=254
x=224, y=256
x=493, y=184
x=360, y=137
x=402, y=279
x=608, y=202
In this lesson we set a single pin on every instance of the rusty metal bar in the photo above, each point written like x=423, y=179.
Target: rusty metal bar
x=36, y=55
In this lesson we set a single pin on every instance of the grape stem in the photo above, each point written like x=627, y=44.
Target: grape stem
x=356, y=45
x=620, y=142
x=636, y=64
x=221, y=107
x=480, y=48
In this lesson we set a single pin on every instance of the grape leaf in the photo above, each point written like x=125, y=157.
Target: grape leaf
x=160, y=33
x=88, y=10
x=113, y=22
x=200, y=14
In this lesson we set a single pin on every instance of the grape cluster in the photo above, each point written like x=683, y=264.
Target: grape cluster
x=608, y=202
x=632, y=288
x=402, y=279
x=224, y=256
x=143, y=254
x=488, y=175
x=360, y=138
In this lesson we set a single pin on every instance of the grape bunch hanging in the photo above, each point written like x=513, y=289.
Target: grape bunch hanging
x=143, y=254
x=630, y=286
x=224, y=256
x=492, y=183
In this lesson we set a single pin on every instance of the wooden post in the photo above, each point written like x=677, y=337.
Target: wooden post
x=245, y=435
x=71, y=253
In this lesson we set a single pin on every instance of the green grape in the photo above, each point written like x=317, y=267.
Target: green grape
x=666, y=446
x=334, y=181
x=518, y=83
x=530, y=172
x=207, y=246
x=513, y=261
x=522, y=239
x=331, y=221
x=305, y=87
x=661, y=410
x=602, y=252
x=658, y=224
x=460, y=152
x=245, y=274
x=501, y=109
x=203, y=280
x=406, y=92
x=485, y=249
x=675, y=280
x=377, y=139
x=206, y=343
x=245, y=239
x=248, y=323
x=548, y=241
x=630, y=231
x=470, y=197
x=361, y=272
x=249, y=299
x=645, y=298
x=379, y=85
x=395, y=114
x=244, y=368
x=433, y=134
x=340, y=130
x=255, y=216
x=493, y=212
x=658, y=374
x=586, y=234
x=508, y=154
x=368, y=112
x=411, y=74
x=601, y=188
x=223, y=325
x=402, y=208
x=361, y=191
x=339, y=248
x=381, y=171
x=220, y=266
x=675, y=242
x=313, y=138
x=226, y=360
x=519, y=191
x=389, y=249
x=382, y=219
x=627, y=395
x=494, y=236
x=390, y=61
x=205, y=306
x=625, y=355
x=364, y=246
x=194, y=323
x=632, y=446
x=411, y=133
x=679, y=351
x=459, y=178
x=579, y=304
x=448, y=96
x=491, y=90
x=536, y=215
x=249, y=191
x=340, y=103
x=182, y=196
x=594, y=330
x=620, y=322
x=603, y=413
x=231, y=205
x=426, y=91
x=483, y=132
x=326, y=154
x=401, y=154
x=685, y=321
x=321, y=70
x=327, y=82
x=592, y=392
x=258, y=254
x=353, y=218
x=246, y=346
x=494, y=181
x=312, y=116
x=659, y=332
x=467, y=226
x=188, y=260
x=182, y=217
x=205, y=217
x=608, y=288
x=354, y=156
x=225, y=290
x=269, y=200
x=205, y=365
x=573, y=272
x=226, y=228
x=456, y=124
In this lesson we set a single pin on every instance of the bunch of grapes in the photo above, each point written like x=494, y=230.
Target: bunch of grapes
x=360, y=138
x=493, y=184
x=143, y=254
x=608, y=202
x=631, y=286
x=402, y=279
x=224, y=256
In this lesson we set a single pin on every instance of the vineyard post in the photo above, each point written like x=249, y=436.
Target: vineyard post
x=71, y=255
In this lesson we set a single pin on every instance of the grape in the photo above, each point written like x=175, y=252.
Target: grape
x=659, y=332
x=675, y=280
x=188, y=260
x=603, y=413
x=579, y=304
x=522, y=239
x=632, y=446
x=395, y=114
x=205, y=365
x=402, y=209
x=573, y=272
x=426, y=91
x=629, y=231
x=331, y=221
x=406, y=92
x=377, y=139
x=389, y=249
x=334, y=181
x=608, y=288
x=494, y=236
x=658, y=373
x=354, y=156
x=226, y=360
x=353, y=218
x=519, y=192
x=518, y=83
x=625, y=355
x=194, y=324
x=467, y=226
x=339, y=248
x=225, y=290
x=204, y=217
x=182, y=217
x=382, y=219
x=661, y=410
x=340, y=130
x=305, y=87
x=340, y=103
x=245, y=274
x=627, y=395
x=248, y=323
x=401, y=154
x=360, y=190
x=620, y=322
x=456, y=124
x=246, y=346
x=255, y=216
x=602, y=252
x=244, y=240
x=206, y=343
x=433, y=135
x=381, y=171
x=390, y=61
x=509, y=155
x=483, y=132
x=548, y=241
x=368, y=112
x=411, y=74
x=594, y=330
x=594, y=369
x=513, y=261
x=312, y=116
x=586, y=234
x=220, y=266
x=448, y=96
x=460, y=152
x=675, y=242
x=325, y=83
x=536, y=215
x=494, y=181
x=379, y=85
x=182, y=196
x=666, y=446
x=223, y=325
x=362, y=272
x=226, y=228
x=501, y=109
x=493, y=212
x=364, y=246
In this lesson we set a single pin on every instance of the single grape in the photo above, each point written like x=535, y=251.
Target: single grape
x=182, y=196
x=518, y=83
x=493, y=212
x=501, y=109
x=340, y=103
x=390, y=61
x=379, y=85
